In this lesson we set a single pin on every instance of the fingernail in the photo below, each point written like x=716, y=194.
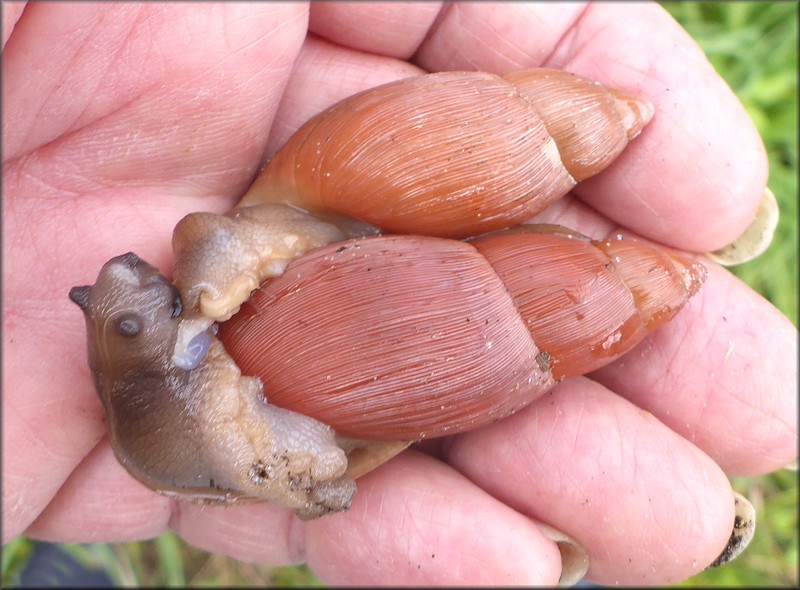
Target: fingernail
x=791, y=466
x=574, y=559
x=744, y=526
x=755, y=239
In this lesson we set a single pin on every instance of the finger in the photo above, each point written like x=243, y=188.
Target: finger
x=11, y=14
x=496, y=37
x=647, y=506
x=392, y=29
x=323, y=75
x=722, y=374
x=429, y=525
x=262, y=533
x=696, y=175
x=413, y=521
x=101, y=503
x=51, y=415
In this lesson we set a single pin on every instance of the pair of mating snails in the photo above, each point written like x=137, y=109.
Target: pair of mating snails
x=339, y=345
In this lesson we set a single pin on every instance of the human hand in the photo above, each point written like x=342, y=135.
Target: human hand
x=122, y=131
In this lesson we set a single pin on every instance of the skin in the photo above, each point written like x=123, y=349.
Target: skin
x=113, y=132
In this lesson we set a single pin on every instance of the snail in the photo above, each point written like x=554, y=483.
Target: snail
x=453, y=154
x=375, y=287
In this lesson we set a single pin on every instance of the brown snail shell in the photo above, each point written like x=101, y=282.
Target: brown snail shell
x=453, y=154
x=407, y=337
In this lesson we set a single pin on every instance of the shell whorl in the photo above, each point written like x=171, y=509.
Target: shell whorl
x=453, y=154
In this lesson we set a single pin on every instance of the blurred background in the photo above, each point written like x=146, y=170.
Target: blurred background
x=753, y=46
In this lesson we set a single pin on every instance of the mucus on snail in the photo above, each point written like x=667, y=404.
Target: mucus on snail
x=353, y=342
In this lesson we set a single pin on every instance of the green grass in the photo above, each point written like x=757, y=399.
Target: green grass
x=166, y=561
x=754, y=47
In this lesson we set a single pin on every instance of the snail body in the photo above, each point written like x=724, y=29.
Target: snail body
x=204, y=434
x=354, y=344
